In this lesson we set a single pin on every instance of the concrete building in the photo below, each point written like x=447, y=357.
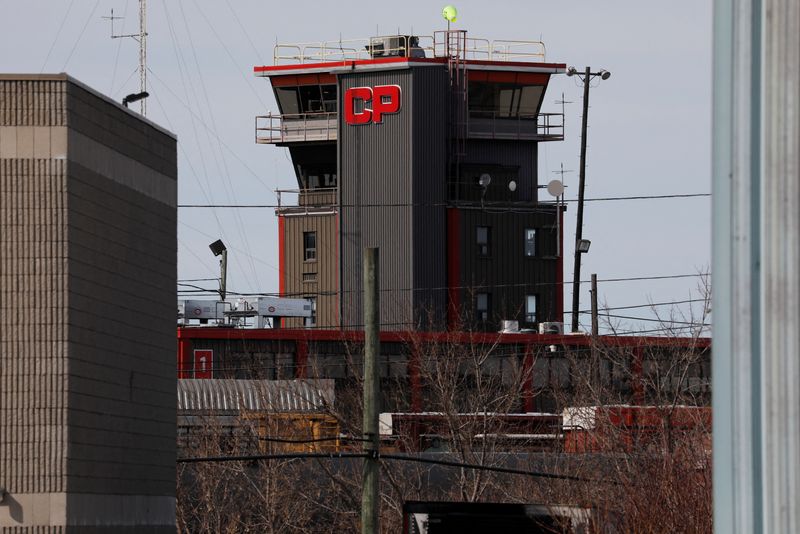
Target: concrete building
x=88, y=244
x=426, y=147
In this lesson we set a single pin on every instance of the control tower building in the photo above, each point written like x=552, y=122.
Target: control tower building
x=426, y=147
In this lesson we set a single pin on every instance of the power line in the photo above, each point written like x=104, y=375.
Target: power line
x=80, y=36
x=377, y=455
x=433, y=204
x=445, y=288
x=653, y=319
x=651, y=304
x=58, y=33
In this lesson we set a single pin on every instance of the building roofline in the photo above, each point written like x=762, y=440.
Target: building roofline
x=392, y=63
x=63, y=76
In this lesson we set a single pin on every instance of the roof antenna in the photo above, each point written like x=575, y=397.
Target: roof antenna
x=141, y=38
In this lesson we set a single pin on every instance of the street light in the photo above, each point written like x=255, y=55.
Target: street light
x=580, y=243
x=134, y=97
x=218, y=249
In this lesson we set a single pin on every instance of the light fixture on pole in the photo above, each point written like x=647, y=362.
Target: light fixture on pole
x=135, y=97
x=583, y=246
x=219, y=249
x=586, y=77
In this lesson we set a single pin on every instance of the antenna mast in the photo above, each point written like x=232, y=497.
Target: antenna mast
x=141, y=38
x=143, y=53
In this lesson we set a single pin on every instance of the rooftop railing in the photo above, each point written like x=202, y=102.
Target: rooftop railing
x=430, y=46
x=296, y=128
x=311, y=200
x=541, y=127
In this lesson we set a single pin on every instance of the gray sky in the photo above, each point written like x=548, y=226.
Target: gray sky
x=649, y=123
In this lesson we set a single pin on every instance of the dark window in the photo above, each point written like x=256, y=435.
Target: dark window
x=530, y=308
x=329, y=98
x=504, y=100
x=309, y=246
x=482, y=306
x=287, y=100
x=306, y=99
x=483, y=238
x=530, y=242
x=310, y=98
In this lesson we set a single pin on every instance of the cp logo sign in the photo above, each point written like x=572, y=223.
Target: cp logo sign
x=376, y=102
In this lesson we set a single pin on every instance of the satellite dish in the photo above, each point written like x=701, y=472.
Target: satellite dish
x=555, y=188
x=484, y=180
x=512, y=186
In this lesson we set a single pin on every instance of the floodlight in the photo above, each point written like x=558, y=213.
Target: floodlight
x=604, y=74
x=512, y=186
x=572, y=71
x=583, y=246
x=484, y=180
x=134, y=97
x=217, y=247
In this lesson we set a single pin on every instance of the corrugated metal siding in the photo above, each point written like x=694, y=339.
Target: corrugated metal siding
x=429, y=103
x=375, y=171
x=325, y=266
x=509, y=275
x=256, y=395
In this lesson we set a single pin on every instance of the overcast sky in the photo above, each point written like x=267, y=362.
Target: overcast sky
x=649, y=123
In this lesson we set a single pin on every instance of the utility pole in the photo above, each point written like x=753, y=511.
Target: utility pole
x=576, y=280
x=595, y=326
x=370, y=523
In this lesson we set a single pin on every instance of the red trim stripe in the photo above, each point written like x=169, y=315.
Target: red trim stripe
x=397, y=336
x=331, y=65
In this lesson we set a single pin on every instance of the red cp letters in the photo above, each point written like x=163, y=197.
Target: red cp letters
x=377, y=101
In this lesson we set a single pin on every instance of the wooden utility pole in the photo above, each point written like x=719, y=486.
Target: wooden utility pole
x=576, y=276
x=370, y=523
x=595, y=326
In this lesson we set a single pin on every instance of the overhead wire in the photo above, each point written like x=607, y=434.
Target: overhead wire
x=395, y=457
x=485, y=286
x=248, y=80
x=119, y=48
x=182, y=152
x=244, y=164
x=433, y=204
x=80, y=35
x=58, y=33
x=223, y=171
x=184, y=72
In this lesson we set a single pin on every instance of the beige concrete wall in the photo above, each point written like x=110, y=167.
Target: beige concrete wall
x=87, y=308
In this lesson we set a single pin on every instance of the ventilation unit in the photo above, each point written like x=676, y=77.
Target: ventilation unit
x=551, y=328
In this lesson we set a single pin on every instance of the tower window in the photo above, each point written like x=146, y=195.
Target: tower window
x=312, y=321
x=530, y=242
x=482, y=304
x=309, y=246
x=530, y=308
x=483, y=238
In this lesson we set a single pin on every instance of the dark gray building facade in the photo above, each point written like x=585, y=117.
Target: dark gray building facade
x=431, y=157
x=88, y=245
